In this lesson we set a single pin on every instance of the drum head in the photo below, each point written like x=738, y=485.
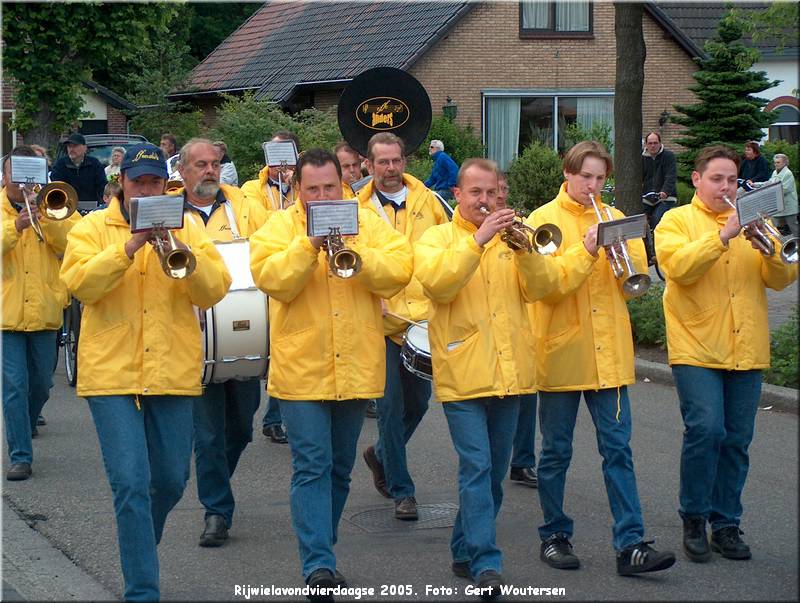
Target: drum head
x=384, y=99
x=417, y=337
x=236, y=255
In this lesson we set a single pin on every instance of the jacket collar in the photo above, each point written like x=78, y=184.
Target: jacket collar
x=570, y=205
x=646, y=154
x=116, y=214
x=720, y=218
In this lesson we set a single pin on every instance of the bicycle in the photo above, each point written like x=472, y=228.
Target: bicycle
x=67, y=338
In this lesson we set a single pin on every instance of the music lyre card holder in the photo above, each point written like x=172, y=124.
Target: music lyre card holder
x=359, y=184
x=160, y=211
x=326, y=215
x=623, y=229
x=280, y=152
x=28, y=170
x=760, y=203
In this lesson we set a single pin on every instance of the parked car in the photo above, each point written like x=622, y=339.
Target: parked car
x=99, y=145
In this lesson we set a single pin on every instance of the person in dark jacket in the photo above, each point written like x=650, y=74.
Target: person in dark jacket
x=659, y=172
x=444, y=172
x=83, y=172
x=754, y=166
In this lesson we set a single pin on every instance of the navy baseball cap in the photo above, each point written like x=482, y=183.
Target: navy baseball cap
x=144, y=159
x=76, y=138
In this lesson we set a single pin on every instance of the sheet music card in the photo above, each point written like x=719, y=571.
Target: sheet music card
x=359, y=184
x=280, y=152
x=162, y=211
x=614, y=231
x=324, y=215
x=28, y=170
x=763, y=201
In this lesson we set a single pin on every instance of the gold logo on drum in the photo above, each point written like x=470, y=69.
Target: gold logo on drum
x=241, y=325
x=382, y=113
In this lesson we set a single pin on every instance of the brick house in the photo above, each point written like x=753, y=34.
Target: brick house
x=516, y=70
x=108, y=111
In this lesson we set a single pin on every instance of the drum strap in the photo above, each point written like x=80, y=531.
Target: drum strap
x=379, y=208
x=231, y=220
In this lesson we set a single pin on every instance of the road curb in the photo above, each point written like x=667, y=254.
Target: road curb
x=780, y=398
x=38, y=571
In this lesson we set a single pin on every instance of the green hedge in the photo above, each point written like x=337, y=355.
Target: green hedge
x=534, y=177
x=784, y=354
x=647, y=317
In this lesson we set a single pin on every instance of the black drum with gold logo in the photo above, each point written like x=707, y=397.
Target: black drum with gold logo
x=384, y=99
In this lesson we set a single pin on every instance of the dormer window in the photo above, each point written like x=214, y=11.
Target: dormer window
x=559, y=18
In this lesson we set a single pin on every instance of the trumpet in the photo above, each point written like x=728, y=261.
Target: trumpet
x=763, y=233
x=634, y=284
x=343, y=262
x=176, y=262
x=544, y=240
x=56, y=201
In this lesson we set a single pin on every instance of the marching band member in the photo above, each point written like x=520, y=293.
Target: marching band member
x=140, y=359
x=481, y=354
x=584, y=347
x=327, y=350
x=223, y=415
x=272, y=192
x=410, y=208
x=350, y=161
x=715, y=307
x=33, y=304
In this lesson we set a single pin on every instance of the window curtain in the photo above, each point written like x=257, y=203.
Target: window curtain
x=502, y=125
x=596, y=109
x=535, y=14
x=572, y=15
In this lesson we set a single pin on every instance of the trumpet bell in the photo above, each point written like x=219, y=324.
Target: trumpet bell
x=636, y=285
x=179, y=263
x=345, y=263
x=547, y=239
x=57, y=201
x=789, y=251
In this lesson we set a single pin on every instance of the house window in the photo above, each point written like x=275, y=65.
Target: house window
x=514, y=121
x=787, y=126
x=559, y=18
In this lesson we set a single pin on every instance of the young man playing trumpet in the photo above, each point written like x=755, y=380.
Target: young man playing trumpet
x=140, y=358
x=33, y=304
x=410, y=208
x=273, y=188
x=481, y=351
x=715, y=306
x=584, y=348
x=328, y=354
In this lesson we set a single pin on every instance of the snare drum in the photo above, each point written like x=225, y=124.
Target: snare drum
x=236, y=331
x=416, y=351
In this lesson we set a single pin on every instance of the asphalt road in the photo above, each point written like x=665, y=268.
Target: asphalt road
x=68, y=501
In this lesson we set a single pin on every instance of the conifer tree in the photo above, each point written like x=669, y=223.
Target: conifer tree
x=727, y=111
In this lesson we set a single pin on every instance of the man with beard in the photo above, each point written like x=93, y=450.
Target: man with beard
x=223, y=415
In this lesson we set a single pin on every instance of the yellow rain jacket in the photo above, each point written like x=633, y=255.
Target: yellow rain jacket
x=326, y=337
x=347, y=191
x=268, y=196
x=581, y=328
x=422, y=210
x=715, y=303
x=33, y=295
x=249, y=215
x=479, y=329
x=139, y=331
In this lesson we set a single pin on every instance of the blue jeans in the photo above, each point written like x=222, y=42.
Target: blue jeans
x=482, y=431
x=323, y=437
x=524, y=454
x=147, y=454
x=557, y=414
x=719, y=414
x=223, y=426
x=28, y=360
x=273, y=414
x=399, y=412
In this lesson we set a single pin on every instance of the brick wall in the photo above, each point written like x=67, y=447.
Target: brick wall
x=468, y=59
x=117, y=122
x=8, y=94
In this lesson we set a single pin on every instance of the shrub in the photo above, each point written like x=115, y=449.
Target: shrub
x=783, y=354
x=316, y=128
x=599, y=131
x=647, y=317
x=460, y=142
x=534, y=177
x=152, y=123
x=685, y=193
x=782, y=146
x=419, y=167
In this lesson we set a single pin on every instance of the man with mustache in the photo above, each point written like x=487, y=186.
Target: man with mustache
x=223, y=415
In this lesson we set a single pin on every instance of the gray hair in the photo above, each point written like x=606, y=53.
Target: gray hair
x=186, y=148
x=438, y=144
x=120, y=149
x=780, y=156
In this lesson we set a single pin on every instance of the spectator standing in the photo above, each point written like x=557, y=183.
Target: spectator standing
x=444, y=172
x=83, y=172
x=228, y=173
x=786, y=219
x=659, y=173
x=169, y=145
x=754, y=166
x=112, y=169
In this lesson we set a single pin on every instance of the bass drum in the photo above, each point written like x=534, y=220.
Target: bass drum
x=235, y=332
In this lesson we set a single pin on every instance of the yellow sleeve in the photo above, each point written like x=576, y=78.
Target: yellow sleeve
x=775, y=273
x=10, y=235
x=257, y=216
x=680, y=258
x=55, y=232
x=386, y=256
x=538, y=275
x=280, y=260
x=210, y=280
x=443, y=266
x=89, y=270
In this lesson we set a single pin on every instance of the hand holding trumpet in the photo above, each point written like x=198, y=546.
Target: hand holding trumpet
x=24, y=218
x=495, y=222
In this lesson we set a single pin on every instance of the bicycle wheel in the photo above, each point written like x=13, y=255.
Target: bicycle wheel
x=72, y=327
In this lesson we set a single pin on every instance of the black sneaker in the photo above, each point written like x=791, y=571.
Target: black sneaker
x=641, y=558
x=488, y=584
x=728, y=543
x=526, y=475
x=557, y=552
x=321, y=582
x=695, y=539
